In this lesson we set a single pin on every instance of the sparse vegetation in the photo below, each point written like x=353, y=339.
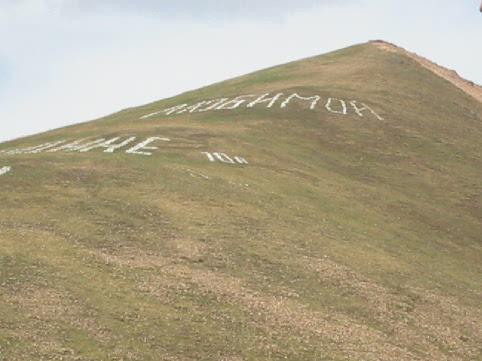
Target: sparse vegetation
x=345, y=238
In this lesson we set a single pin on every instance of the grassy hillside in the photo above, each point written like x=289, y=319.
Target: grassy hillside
x=345, y=237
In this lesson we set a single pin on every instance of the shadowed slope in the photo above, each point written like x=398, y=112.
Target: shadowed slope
x=303, y=232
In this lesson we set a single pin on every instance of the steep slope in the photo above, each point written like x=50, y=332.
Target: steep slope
x=450, y=75
x=326, y=209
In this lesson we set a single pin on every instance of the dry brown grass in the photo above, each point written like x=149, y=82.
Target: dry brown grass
x=43, y=307
x=413, y=316
x=337, y=332
x=426, y=320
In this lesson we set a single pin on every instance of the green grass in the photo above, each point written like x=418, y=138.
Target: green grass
x=345, y=238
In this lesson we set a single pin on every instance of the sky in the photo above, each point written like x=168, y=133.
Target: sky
x=67, y=61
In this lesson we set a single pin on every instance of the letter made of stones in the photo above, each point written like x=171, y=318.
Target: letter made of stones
x=241, y=160
x=224, y=158
x=167, y=111
x=36, y=149
x=213, y=105
x=109, y=145
x=140, y=149
x=75, y=145
x=234, y=103
x=197, y=106
x=360, y=107
x=342, y=108
x=265, y=99
x=313, y=100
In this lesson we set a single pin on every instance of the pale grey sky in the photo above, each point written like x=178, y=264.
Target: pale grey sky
x=67, y=61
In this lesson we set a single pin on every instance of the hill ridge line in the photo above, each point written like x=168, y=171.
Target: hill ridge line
x=467, y=86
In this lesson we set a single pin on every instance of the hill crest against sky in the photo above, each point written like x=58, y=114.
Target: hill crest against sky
x=452, y=76
x=328, y=208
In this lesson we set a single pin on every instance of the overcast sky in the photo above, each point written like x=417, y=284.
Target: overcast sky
x=67, y=61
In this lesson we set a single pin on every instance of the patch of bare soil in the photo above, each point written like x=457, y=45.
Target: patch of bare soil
x=467, y=86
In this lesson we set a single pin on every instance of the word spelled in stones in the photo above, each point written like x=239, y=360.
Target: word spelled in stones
x=331, y=105
x=129, y=146
x=224, y=158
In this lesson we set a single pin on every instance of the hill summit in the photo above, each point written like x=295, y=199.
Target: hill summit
x=324, y=209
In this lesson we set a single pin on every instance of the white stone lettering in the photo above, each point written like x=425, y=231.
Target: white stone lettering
x=167, y=111
x=151, y=114
x=174, y=109
x=314, y=100
x=224, y=158
x=83, y=145
x=332, y=105
x=33, y=150
x=241, y=160
x=235, y=103
x=329, y=107
x=141, y=147
x=193, y=108
x=359, y=110
x=5, y=170
x=265, y=99
x=110, y=148
x=41, y=148
x=210, y=156
x=217, y=103
x=73, y=146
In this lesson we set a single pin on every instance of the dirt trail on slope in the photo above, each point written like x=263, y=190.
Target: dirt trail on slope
x=467, y=86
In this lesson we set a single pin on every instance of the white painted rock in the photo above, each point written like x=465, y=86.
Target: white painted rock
x=224, y=158
x=332, y=105
x=5, y=170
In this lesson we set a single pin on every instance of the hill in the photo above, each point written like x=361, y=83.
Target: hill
x=325, y=209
